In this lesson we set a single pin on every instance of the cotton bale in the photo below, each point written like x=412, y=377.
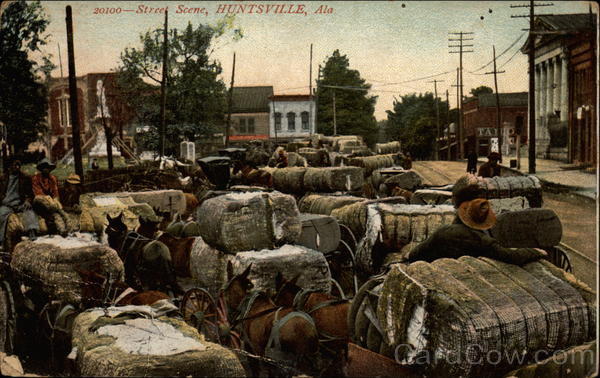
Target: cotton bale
x=529, y=228
x=442, y=308
x=95, y=207
x=319, y=232
x=325, y=203
x=371, y=163
x=146, y=344
x=208, y=266
x=250, y=220
x=290, y=260
x=289, y=180
x=49, y=264
x=408, y=180
x=172, y=201
x=387, y=148
x=430, y=197
x=333, y=179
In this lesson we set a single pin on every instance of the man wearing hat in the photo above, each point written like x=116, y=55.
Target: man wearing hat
x=491, y=168
x=468, y=236
x=16, y=197
x=46, y=201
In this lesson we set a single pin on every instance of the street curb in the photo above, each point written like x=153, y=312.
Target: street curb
x=552, y=186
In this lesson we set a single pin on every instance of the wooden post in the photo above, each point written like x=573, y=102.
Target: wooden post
x=163, y=85
x=334, y=115
x=230, y=104
x=531, y=55
x=448, y=129
x=310, y=94
x=73, y=97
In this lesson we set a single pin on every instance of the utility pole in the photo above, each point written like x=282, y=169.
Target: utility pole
x=460, y=51
x=60, y=61
x=317, y=99
x=448, y=128
x=498, y=126
x=73, y=97
x=458, y=107
x=437, y=120
x=310, y=94
x=230, y=104
x=163, y=86
x=531, y=56
x=334, y=116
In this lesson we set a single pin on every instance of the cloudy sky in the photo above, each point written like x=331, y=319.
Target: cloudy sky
x=394, y=44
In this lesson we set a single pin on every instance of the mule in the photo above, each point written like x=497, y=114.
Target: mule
x=98, y=290
x=267, y=329
x=147, y=262
x=252, y=176
x=330, y=315
x=179, y=249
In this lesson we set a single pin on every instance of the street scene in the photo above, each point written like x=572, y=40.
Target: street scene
x=318, y=188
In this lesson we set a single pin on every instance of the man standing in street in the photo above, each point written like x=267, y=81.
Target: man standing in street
x=471, y=162
x=491, y=168
x=16, y=197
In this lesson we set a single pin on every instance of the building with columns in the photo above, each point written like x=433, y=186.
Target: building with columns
x=554, y=82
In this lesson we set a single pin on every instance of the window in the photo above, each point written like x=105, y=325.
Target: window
x=291, y=117
x=304, y=116
x=277, y=121
x=242, y=127
x=250, y=125
x=246, y=126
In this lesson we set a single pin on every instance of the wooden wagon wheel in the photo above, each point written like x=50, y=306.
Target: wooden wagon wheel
x=199, y=309
x=343, y=264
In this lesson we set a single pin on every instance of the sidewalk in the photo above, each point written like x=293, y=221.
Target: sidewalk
x=550, y=171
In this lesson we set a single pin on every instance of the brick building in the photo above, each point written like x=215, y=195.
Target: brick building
x=480, y=124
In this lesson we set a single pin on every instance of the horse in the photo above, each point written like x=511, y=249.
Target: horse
x=179, y=249
x=267, y=329
x=252, y=175
x=191, y=203
x=98, y=290
x=329, y=313
x=147, y=262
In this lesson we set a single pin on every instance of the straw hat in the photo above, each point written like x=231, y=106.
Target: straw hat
x=477, y=214
x=74, y=179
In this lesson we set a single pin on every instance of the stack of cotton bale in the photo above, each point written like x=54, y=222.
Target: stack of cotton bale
x=387, y=148
x=262, y=229
x=299, y=180
x=506, y=187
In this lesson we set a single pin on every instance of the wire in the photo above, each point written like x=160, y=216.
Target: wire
x=503, y=52
x=418, y=79
x=505, y=63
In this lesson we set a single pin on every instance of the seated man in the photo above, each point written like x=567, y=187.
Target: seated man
x=282, y=159
x=16, y=197
x=491, y=168
x=71, y=192
x=46, y=201
x=468, y=236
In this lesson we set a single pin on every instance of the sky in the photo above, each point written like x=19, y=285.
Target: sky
x=397, y=46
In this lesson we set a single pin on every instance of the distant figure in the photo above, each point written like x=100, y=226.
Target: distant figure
x=94, y=164
x=472, y=162
x=407, y=161
x=282, y=159
x=71, y=193
x=491, y=168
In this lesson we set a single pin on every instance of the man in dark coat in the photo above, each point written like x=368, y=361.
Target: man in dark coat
x=472, y=162
x=468, y=236
x=16, y=197
x=491, y=168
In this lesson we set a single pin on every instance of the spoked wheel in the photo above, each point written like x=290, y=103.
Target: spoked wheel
x=342, y=263
x=199, y=309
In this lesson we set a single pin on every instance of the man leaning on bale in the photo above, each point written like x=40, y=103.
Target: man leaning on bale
x=469, y=235
x=46, y=202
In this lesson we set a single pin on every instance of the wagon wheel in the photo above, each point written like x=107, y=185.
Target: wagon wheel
x=200, y=310
x=343, y=264
x=227, y=335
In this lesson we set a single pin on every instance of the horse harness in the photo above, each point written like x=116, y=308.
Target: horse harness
x=273, y=348
x=299, y=304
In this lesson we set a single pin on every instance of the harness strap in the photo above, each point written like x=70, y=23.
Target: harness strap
x=303, y=295
x=125, y=293
x=278, y=323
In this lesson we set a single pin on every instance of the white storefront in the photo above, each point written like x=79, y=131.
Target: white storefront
x=291, y=116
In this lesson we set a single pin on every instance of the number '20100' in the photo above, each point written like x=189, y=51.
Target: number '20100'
x=107, y=10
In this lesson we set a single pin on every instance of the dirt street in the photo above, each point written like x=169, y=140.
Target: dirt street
x=578, y=216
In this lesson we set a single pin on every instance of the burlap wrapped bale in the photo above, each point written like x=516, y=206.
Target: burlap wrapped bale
x=387, y=148
x=325, y=204
x=288, y=180
x=530, y=228
x=319, y=232
x=354, y=216
x=172, y=201
x=96, y=206
x=447, y=307
x=208, y=266
x=296, y=160
x=379, y=176
x=502, y=205
x=333, y=179
x=371, y=163
x=245, y=221
x=291, y=260
x=49, y=263
x=430, y=197
x=389, y=227
x=409, y=180
x=149, y=345
x=506, y=187
x=578, y=361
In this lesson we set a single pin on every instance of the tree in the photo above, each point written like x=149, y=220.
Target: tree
x=354, y=108
x=412, y=121
x=23, y=97
x=482, y=89
x=195, y=95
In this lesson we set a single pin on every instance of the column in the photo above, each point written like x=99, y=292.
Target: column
x=550, y=87
x=543, y=85
x=557, y=83
x=537, y=91
x=564, y=93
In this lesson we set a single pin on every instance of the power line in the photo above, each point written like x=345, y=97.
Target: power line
x=502, y=53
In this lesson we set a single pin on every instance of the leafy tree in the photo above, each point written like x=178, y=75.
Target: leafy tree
x=23, y=95
x=482, y=89
x=196, y=97
x=354, y=108
x=412, y=121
